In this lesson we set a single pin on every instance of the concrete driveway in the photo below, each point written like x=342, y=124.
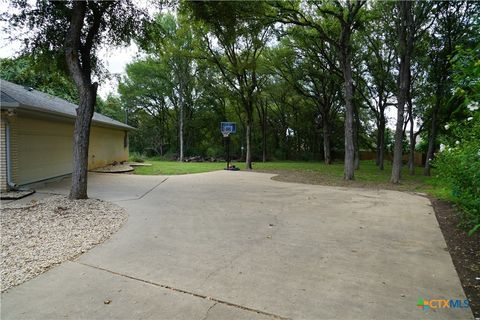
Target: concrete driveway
x=237, y=245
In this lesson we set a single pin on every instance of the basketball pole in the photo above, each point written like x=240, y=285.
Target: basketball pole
x=227, y=142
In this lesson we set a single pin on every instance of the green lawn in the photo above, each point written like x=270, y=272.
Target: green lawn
x=175, y=167
x=368, y=176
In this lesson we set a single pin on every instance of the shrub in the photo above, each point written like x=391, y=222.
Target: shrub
x=459, y=165
x=136, y=157
x=459, y=160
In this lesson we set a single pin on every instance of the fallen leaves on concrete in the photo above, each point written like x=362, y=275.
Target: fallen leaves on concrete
x=40, y=234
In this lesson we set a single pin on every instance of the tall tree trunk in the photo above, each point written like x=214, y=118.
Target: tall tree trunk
x=380, y=122
x=180, y=120
x=81, y=135
x=264, y=135
x=377, y=150
x=405, y=45
x=346, y=64
x=431, y=138
x=262, y=116
x=248, y=105
x=356, y=129
x=327, y=153
x=381, y=129
x=411, y=154
x=80, y=69
x=248, y=138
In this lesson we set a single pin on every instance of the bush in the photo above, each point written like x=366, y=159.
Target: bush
x=215, y=152
x=458, y=164
x=459, y=160
x=136, y=157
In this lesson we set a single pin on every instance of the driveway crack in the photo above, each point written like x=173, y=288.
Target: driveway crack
x=147, y=192
x=208, y=311
x=197, y=295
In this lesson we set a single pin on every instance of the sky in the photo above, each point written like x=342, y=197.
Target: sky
x=115, y=59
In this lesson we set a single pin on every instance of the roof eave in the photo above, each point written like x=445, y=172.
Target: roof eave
x=68, y=116
x=6, y=104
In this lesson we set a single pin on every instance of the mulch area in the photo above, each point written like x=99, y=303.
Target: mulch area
x=464, y=250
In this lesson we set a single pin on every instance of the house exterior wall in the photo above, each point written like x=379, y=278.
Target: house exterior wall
x=3, y=155
x=8, y=119
x=44, y=148
x=106, y=146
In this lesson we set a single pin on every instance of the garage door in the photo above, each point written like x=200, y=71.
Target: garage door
x=44, y=149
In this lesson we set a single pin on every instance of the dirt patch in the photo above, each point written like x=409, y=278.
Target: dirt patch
x=40, y=234
x=313, y=177
x=464, y=249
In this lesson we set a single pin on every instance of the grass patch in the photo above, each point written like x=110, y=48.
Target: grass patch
x=175, y=167
x=368, y=176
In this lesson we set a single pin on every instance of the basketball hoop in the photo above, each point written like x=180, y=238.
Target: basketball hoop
x=226, y=128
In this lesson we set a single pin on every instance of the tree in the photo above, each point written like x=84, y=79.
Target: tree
x=169, y=40
x=147, y=87
x=307, y=64
x=335, y=23
x=112, y=107
x=379, y=60
x=77, y=28
x=411, y=17
x=235, y=36
x=453, y=21
x=35, y=72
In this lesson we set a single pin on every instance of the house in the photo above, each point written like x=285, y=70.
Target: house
x=37, y=137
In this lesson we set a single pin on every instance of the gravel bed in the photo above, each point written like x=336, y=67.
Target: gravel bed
x=40, y=234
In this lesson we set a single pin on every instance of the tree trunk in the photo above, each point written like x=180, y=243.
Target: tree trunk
x=180, y=133
x=411, y=155
x=405, y=45
x=180, y=120
x=80, y=68
x=264, y=135
x=248, y=138
x=398, y=147
x=262, y=116
x=349, y=166
x=81, y=135
x=327, y=154
x=431, y=139
x=377, y=151
x=381, y=130
x=356, y=128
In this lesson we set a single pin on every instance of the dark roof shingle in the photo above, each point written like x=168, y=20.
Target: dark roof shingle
x=17, y=96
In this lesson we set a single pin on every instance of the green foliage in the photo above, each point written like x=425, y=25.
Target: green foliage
x=111, y=107
x=31, y=71
x=459, y=161
x=136, y=157
x=49, y=21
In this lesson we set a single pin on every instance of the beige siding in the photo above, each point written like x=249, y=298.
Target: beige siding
x=106, y=146
x=12, y=120
x=3, y=156
x=45, y=148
